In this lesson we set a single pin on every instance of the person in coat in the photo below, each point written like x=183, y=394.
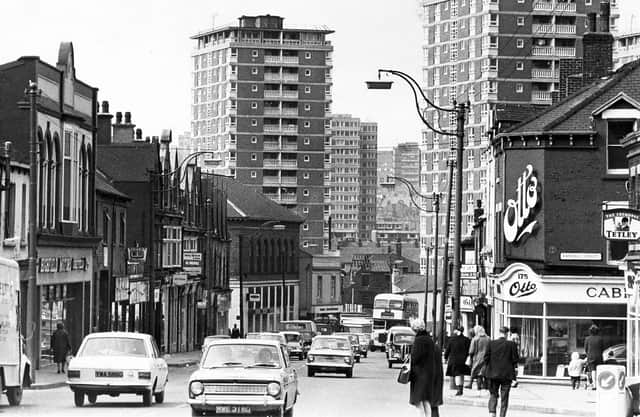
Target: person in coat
x=61, y=346
x=456, y=356
x=422, y=372
x=235, y=332
x=476, y=352
x=500, y=360
x=593, y=347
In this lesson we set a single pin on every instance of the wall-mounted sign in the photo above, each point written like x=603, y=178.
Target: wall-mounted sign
x=122, y=289
x=580, y=256
x=224, y=302
x=466, y=304
x=192, y=262
x=64, y=264
x=469, y=287
x=79, y=264
x=137, y=254
x=254, y=297
x=179, y=279
x=621, y=224
x=47, y=265
x=517, y=220
x=138, y=292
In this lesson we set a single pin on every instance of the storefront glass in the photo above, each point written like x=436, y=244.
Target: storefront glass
x=530, y=348
x=52, y=311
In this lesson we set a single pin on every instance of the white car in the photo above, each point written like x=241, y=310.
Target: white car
x=331, y=354
x=114, y=363
x=294, y=344
x=244, y=376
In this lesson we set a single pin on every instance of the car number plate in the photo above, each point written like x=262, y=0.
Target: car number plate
x=226, y=409
x=109, y=374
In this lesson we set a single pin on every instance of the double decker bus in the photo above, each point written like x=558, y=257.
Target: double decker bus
x=391, y=310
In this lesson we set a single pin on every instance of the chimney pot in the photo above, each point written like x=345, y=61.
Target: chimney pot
x=105, y=106
x=147, y=139
x=127, y=117
x=118, y=117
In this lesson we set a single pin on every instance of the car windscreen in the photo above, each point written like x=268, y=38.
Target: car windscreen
x=331, y=343
x=403, y=338
x=292, y=337
x=294, y=326
x=229, y=355
x=114, y=346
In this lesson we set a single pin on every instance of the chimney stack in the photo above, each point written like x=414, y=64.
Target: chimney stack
x=598, y=48
x=123, y=132
x=104, y=125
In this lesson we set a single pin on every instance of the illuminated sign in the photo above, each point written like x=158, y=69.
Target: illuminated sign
x=517, y=222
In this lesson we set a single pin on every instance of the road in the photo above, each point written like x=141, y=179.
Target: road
x=372, y=392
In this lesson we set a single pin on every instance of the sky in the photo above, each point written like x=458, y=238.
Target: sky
x=137, y=52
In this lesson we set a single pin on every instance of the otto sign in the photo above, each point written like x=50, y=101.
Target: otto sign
x=522, y=286
x=517, y=212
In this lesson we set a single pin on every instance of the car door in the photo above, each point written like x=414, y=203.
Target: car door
x=160, y=365
x=290, y=382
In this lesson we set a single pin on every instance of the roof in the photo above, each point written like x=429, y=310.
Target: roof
x=128, y=162
x=244, y=202
x=131, y=335
x=574, y=112
x=410, y=283
x=104, y=186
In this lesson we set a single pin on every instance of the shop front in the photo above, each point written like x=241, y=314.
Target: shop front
x=553, y=314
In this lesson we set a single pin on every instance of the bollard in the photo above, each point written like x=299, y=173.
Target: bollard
x=611, y=398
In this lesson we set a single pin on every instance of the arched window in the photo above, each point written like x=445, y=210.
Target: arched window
x=55, y=180
x=87, y=196
x=41, y=178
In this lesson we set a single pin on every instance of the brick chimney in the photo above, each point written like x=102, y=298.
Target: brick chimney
x=123, y=132
x=597, y=46
x=104, y=124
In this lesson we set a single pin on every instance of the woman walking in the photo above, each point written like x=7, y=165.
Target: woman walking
x=476, y=353
x=593, y=346
x=456, y=356
x=422, y=374
x=60, y=346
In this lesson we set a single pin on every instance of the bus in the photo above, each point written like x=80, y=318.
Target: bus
x=356, y=323
x=391, y=310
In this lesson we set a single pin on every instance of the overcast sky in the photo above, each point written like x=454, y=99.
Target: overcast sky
x=137, y=52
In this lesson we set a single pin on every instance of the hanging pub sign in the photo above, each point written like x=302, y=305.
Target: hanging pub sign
x=137, y=254
x=518, y=214
x=621, y=224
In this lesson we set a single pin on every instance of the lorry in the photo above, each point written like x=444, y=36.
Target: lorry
x=15, y=367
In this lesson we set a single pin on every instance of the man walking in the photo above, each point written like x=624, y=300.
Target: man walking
x=235, y=332
x=500, y=360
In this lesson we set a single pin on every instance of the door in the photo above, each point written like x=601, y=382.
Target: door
x=290, y=379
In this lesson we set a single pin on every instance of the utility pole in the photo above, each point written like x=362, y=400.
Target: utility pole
x=32, y=298
x=461, y=110
x=434, y=309
x=445, y=256
x=282, y=265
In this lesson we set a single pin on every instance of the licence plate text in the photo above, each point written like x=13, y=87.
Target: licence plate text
x=226, y=409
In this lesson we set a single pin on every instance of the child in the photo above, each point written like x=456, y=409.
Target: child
x=575, y=368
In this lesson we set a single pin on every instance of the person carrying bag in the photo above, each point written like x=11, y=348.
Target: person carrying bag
x=423, y=375
x=405, y=371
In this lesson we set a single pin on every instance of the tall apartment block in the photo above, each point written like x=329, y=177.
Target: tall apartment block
x=261, y=103
x=353, y=179
x=406, y=162
x=503, y=56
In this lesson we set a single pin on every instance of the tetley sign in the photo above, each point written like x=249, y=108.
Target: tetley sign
x=518, y=213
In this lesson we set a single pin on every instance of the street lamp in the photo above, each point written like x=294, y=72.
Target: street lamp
x=460, y=109
x=435, y=197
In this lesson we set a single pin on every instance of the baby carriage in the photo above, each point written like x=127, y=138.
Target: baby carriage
x=584, y=376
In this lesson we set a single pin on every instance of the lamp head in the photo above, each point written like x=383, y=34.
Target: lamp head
x=379, y=85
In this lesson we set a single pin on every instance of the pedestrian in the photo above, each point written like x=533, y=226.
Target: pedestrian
x=593, y=346
x=61, y=346
x=575, y=369
x=456, y=356
x=500, y=360
x=235, y=332
x=422, y=374
x=514, y=336
x=476, y=352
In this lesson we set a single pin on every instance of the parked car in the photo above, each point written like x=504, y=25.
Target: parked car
x=114, y=363
x=617, y=353
x=399, y=342
x=307, y=329
x=209, y=339
x=363, y=340
x=355, y=344
x=294, y=344
x=244, y=376
x=332, y=354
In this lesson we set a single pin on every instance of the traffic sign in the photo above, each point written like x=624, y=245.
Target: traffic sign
x=254, y=297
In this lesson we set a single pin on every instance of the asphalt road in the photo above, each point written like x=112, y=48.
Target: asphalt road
x=372, y=392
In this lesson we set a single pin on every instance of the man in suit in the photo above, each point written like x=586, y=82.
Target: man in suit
x=500, y=360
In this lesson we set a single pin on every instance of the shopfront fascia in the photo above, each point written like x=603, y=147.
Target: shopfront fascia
x=554, y=312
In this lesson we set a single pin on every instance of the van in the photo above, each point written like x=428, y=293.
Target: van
x=399, y=342
x=306, y=328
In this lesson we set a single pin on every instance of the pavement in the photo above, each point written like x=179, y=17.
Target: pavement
x=47, y=376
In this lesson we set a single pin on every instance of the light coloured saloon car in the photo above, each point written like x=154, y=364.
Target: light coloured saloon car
x=114, y=363
x=330, y=354
x=246, y=377
x=294, y=344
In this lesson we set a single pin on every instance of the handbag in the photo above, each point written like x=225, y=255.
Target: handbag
x=405, y=370
x=468, y=362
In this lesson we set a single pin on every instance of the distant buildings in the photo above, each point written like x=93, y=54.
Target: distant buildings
x=261, y=103
x=626, y=49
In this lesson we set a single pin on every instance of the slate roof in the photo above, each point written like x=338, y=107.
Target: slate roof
x=103, y=186
x=128, y=162
x=573, y=113
x=414, y=283
x=244, y=202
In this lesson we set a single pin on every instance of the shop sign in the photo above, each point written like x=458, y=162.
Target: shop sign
x=224, y=302
x=64, y=264
x=580, y=256
x=192, y=262
x=517, y=220
x=201, y=305
x=156, y=295
x=47, y=265
x=621, y=224
x=137, y=254
x=466, y=304
x=122, y=289
x=79, y=264
x=179, y=279
x=469, y=287
x=138, y=292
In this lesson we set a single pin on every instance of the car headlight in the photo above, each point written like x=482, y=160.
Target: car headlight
x=273, y=389
x=73, y=373
x=310, y=358
x=347, y=360
x=196, y=388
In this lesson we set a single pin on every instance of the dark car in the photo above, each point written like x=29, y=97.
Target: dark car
x=615, y=355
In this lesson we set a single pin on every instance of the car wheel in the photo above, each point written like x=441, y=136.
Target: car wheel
x=14, y=395
x=146, y=398
x=78, y=398
x=390, y=364
x=92, y=398
x=349, y=373
x=159, y=397
x=195, y=412
x=310, y=372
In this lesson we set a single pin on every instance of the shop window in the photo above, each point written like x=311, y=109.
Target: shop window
x=616, y=155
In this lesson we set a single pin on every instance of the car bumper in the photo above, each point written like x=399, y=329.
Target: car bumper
x=109, y=389
x=329, y=366
x=237, y=405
